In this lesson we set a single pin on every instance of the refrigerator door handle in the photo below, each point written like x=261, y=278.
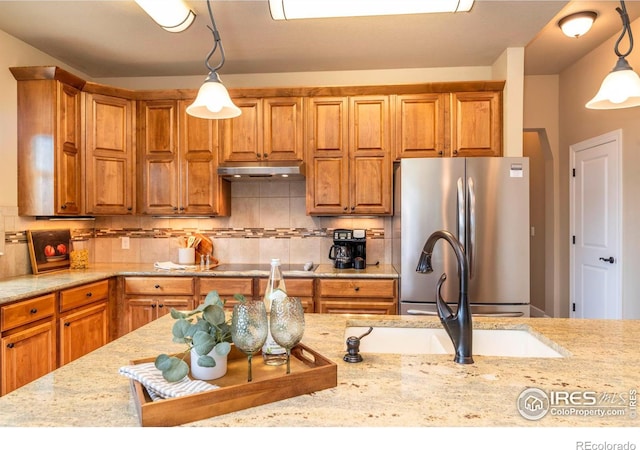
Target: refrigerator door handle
x=419, y=312
x=471, y=240
x=461, y=213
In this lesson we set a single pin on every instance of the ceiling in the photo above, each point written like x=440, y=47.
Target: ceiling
x=115, y=38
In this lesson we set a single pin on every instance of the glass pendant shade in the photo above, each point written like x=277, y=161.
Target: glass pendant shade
x=619, y=89
x=172, y=15
x=213, y=101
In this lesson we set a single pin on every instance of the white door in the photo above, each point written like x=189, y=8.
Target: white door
x=595, y=228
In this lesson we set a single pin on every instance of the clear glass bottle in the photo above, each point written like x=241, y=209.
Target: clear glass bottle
x=272, y=353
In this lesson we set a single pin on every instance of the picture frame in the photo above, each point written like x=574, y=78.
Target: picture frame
x=49, y=250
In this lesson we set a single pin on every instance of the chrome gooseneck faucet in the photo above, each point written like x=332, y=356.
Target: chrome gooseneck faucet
x=458, y=325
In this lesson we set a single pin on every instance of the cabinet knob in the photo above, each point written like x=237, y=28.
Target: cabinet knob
x=160, y=305
x=153, y=305
x=345, y=208
x=67, y=324
x=10, y=345
x=33, y=310
x=265, y=155
x=440, y=153
x=130, y=208
x=89, y=294
x=357, y=288
x=157, y=286
x=63, y=207
x=182, y=208
x=353, y=208
x=455, y=152
x=175, y=208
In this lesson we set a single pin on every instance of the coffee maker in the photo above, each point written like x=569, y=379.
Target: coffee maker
x=349, y=249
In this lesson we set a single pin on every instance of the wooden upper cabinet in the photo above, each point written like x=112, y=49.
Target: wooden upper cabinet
x=158, y=172
x=476, y=123
x=49, y=143
x=350, y=155
x=178, y=163
x=110, y=160
x=421, y=125
x=201, y=190
x=370, y=160
x=269, y=129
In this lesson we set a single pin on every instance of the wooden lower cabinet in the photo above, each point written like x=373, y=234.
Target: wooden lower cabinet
x=296, y=287
x=84, y=320
x=226, y=288
x=147, y=298
x=28, y=343
x=357, y=296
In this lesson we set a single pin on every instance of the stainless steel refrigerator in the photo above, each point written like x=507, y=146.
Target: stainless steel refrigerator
x=484, y=202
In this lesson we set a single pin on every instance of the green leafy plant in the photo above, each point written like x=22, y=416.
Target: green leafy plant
x=203, y=329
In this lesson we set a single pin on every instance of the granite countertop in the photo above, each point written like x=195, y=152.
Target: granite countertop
x=384, y=390
x=22, y=287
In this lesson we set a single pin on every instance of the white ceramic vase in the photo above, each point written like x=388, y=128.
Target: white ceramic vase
x=208, y=373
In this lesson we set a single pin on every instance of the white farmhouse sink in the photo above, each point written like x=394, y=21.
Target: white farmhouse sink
x=519, y=343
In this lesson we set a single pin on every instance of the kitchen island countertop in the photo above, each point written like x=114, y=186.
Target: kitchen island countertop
x=383, y=390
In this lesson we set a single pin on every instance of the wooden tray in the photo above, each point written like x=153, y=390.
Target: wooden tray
x=310, y=372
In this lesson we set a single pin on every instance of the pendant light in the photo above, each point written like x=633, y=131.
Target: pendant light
x=621, y=87
x=171, y=15
x=213, y=101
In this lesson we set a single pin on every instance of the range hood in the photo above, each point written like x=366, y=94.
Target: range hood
x=272, y=170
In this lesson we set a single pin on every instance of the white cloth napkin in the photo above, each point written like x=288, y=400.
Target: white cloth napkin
x=159, y=388
x=168, y=265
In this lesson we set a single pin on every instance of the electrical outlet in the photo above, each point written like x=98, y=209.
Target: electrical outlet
x=125, y=242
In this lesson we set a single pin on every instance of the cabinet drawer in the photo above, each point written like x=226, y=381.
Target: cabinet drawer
x=295, y=287
x=27, y=311
x=226, y=287
x=158, y=285
x=357, y=288
x=83, y=295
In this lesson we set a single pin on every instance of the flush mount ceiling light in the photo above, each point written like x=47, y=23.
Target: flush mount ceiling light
x=315, y=9
x=577, y=24
x=621, y=88
x=172, y=15
x=213, y=101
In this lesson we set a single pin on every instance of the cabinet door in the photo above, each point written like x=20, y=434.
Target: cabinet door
x=370, y=162
x=141, y=311
x=201, y=190
x=68, y=158
x=327, y=153
x=283, y=129
x=421, y=125
x=296, y=287
x=241, y=137
x=83, y=330
x=158, y=156
x=476, y=123
x=27, y=355
x=109, y=167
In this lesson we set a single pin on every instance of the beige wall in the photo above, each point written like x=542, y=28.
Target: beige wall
x=578, y=84
x=555, y=104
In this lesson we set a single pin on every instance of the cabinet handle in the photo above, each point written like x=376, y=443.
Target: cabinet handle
x=353, y=208
x=63, y=207
x=153, y=305
x=160, y=305
x=440, y=153
x=130, y=208
x=265, y=155
x=10, y=345
x=33, y=310
x=175, y=208
x=345, y=208
x=357, y=288
x=67, y=324
x=89, y=294
x=455, y=152
x=157, y=286
x=182, y=208
x=258, y=155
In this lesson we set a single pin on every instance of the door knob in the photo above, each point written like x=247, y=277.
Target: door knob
x=610, y=259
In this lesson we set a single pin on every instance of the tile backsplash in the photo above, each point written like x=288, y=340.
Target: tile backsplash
x=268, y=220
